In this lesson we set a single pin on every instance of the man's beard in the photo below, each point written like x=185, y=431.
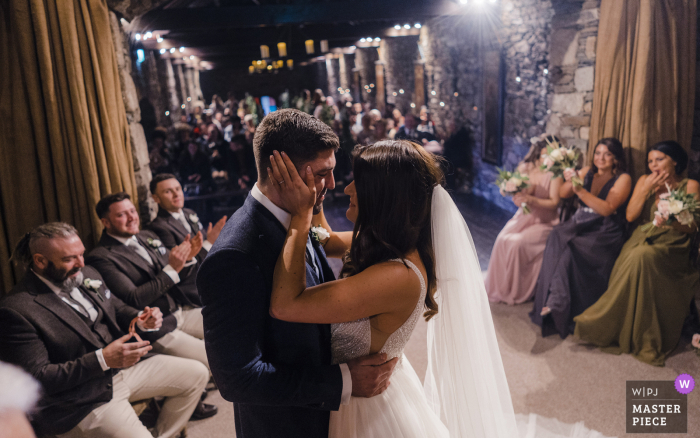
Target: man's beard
x=318, y=206
x=62, y=278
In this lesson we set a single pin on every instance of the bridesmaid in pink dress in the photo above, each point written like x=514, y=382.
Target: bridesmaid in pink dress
x=516, y=257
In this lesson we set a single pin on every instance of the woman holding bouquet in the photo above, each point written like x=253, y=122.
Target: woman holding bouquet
x=516, y=257
x=580, y=253
x=653, y=281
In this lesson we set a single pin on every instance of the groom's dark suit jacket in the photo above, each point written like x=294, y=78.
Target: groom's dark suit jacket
x=277, y=374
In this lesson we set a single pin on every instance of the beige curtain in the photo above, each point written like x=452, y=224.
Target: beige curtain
x=63, y=129
x=645, y=75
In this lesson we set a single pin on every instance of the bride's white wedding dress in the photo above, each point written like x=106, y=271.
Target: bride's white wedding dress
x=466, y=394
x=400, y=411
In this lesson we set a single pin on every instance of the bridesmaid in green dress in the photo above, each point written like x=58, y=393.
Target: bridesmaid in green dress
x=653, y=280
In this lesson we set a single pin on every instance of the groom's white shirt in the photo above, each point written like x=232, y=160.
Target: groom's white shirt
x=286, y=219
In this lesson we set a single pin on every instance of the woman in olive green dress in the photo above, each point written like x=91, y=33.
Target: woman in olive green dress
x=653, y=280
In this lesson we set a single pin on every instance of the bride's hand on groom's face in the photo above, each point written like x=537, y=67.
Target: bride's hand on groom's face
x=371, y=374
x=297, y=192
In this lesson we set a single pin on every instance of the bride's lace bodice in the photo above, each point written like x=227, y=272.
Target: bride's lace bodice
x=350, y=340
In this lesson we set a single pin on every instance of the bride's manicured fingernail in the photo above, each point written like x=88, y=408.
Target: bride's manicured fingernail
x=308, y=169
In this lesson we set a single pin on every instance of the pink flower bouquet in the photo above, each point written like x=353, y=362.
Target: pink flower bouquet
x=512, y=183
x=674, y=206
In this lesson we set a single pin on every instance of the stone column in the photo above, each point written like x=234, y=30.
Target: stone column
x=356, y=88
x=399, y=55
x=333, y=75
x=197, y=86
x=365, y=58
x=346, y=64
x=379, y=86
x=182, y=90
x=139, y=146
x=154, y=92
x=419, y=79
x=191, y=89
x=172, y=89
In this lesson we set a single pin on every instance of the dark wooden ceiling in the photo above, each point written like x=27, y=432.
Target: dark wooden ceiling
x=230, y=32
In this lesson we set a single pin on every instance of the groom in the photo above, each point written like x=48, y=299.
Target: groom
x=277, y=374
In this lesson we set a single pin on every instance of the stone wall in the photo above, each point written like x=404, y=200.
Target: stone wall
x=333, y=74
x=548, y=50
x=572, y=68
x=139, y=146
x=399, y=55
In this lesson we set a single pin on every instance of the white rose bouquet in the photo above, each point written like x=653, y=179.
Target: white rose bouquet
x=561, y=161
x=674, y=206
x=512, y=183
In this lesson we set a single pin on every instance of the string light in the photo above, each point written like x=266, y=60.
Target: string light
x=182, y=49
x=397, y=27
x=172, y=50
x=395, y=93
x=456, y=94
x=433, y=93
x=376, y=40
x=160, y=39
x=162, y=51
x=167, y=113
x=347, y=90
x=401, y=91
x=189, y=99
x=417, y=26
x=413, y=105
x=442, y=103
x=371, y=85
x=191, y=56
x=148, y=35
x=137, y=37
x=546, y=71
x=517, y=79
x=406, y=26
x=362, y=40
x=182, y=106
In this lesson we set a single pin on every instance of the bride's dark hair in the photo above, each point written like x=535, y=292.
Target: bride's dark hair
x=394, y=180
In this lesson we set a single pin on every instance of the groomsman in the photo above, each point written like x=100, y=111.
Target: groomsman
x=174, y=222
x=140, y=270
x=64, y=326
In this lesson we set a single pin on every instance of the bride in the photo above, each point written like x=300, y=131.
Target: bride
x=410, y=254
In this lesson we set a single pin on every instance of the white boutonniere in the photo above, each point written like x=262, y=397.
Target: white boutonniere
x=92, y=284
x=194, y=218
x=154, y=242
x=319, y=233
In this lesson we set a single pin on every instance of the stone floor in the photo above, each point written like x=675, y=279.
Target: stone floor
x=548, y=376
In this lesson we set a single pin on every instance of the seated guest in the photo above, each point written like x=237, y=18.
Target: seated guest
x=158, y=155
x=140, y=270
x=410, y=132
x=653, y=281
x=174, y=223
x=194, y=166
x=64, y=326
x=517, y=254
x=581, y=252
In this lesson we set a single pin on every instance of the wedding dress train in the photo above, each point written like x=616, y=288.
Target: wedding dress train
x=465, y=394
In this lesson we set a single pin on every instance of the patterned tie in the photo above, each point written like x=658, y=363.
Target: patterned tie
x=74, y=303
x=183, y=221
x=140, y=250
x=311, y=256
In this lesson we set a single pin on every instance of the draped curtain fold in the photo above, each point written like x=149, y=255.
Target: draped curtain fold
x=644, y=76
x=63, y=129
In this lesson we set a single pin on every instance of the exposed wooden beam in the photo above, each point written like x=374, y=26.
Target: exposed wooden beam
x=211, y=18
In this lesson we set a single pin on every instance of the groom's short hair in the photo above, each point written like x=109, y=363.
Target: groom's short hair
x=293, y=132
